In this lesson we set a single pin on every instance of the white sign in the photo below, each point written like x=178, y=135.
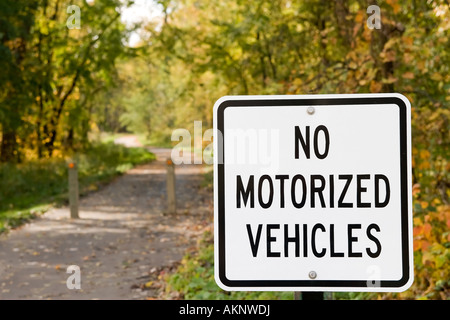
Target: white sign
x=313, y=193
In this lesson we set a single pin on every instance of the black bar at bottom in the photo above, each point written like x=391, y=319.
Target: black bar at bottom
x=312, y=295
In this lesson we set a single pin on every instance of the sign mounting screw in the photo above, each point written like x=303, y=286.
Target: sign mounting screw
x=312, y=275
x=311, y=110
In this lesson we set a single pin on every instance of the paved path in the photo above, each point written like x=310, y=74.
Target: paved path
x=121, y=237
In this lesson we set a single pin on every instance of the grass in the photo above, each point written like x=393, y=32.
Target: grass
x=208, y=178
x=31, y=188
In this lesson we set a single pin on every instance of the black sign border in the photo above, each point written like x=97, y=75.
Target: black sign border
x=403, y=185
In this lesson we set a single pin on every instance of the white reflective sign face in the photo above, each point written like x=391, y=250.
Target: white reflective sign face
x=313, y=193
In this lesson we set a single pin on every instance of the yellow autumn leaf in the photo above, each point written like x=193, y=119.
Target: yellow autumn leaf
x=388, y=56
x=395, y=6
x=424, y=165
x=436, y=76
x=408, y=58
x=408, y=75
x=390, y=43
x=408, y=41
x=424, y=154
x=359, y=17
x=416, y=189
x=427, y=230
x=352, y=65
x=421, y=66
x=375, y=86
x=417, y=222
x=389, y=80
x=362, y=82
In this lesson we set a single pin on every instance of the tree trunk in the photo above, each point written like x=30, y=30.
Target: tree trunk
x=8, y=146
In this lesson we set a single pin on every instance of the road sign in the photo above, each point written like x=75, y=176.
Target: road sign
x=313, y=193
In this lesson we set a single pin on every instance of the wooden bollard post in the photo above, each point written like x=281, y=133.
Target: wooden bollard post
x=73, y=190
x=170, y=186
